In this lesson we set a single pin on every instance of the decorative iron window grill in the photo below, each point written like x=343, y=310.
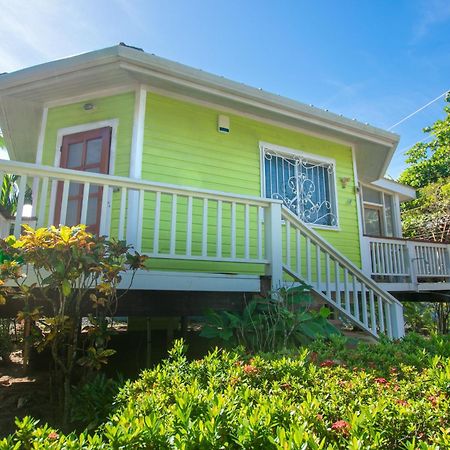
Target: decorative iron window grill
x=305, y=186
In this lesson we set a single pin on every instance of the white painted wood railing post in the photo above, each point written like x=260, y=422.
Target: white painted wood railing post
x=397, y=320
x=273, y=241
x=412, y=261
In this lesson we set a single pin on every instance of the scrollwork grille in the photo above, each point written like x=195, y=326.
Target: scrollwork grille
x=305, y=186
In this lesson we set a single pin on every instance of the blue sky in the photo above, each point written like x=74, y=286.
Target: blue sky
x=376, y=61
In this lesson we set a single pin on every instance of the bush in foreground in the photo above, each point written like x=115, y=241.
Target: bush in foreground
x=228, y=400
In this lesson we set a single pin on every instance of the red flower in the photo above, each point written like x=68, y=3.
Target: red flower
x=341, y=426
x=433, y=399
x=250, y=370
x=381, y=380
x=327, y=363
x=402, y=402
x=53, y=436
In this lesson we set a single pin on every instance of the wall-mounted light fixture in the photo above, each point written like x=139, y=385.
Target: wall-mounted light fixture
x=345, y=181
x=88, y=106
x=223, y=124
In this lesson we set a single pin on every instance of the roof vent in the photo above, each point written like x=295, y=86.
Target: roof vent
x=122, y=44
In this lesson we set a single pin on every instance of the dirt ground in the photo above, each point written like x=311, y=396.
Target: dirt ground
x=22, y=395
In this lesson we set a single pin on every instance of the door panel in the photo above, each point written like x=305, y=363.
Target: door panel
x=87, y=151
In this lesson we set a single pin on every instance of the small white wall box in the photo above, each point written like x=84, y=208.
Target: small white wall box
x=223, y=124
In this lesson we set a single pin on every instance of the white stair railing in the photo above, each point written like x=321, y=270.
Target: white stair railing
x=310, y=258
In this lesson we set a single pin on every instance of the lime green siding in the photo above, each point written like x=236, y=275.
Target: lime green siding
x=182, y=146
x=119, y=107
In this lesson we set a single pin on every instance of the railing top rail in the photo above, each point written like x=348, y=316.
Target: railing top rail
x=344, y=261
x=402, y=240
x=33, y=170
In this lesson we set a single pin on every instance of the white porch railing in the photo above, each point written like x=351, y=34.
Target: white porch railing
x=173, y=222
x=404, y=260
x=338, y=281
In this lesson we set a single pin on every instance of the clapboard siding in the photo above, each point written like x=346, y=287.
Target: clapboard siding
x=119, y=107
x=182, y=146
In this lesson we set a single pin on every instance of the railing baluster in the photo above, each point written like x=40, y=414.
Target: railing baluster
x=205, y=228
x=380, y=314
x=378, y=257
x=387, y=310
x=355, y=298
x=20, y=203
x=298, y=261
x=157, y=222
x=288, y=244
x=346, y=291
x=308, y=260
x=189, y=227
x=122, y=213
x=140, y=220
x=259, y=215
x=43, y=203
x=373, y=316
x=364, y=305
x=84, y=202
x=337, y=283
x=318, y=268
x=327, y=275
x=64, y=201
x=51, y=209
x=219, y=229
x=173, y=226
x=104, y=213
x=247, y=231
x=233, y=230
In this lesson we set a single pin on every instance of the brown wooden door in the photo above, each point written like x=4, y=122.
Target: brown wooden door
x=88, y=151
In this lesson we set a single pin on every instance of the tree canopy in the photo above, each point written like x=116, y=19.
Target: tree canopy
x=428, y=216
x=430, y=161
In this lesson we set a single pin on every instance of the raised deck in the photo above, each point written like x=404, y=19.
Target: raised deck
x=406, y=264
x=208, y=241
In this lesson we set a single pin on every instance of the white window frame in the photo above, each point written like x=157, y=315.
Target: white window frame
x=290, y=152
x=397, y=225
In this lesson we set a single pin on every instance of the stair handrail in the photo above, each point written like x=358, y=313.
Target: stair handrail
x=317, y=239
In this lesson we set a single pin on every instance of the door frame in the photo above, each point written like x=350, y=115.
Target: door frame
x=61, y=132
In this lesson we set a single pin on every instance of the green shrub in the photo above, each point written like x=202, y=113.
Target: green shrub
x=93, y=402
x=231, y=400
x=271, y=324
x=413, y=350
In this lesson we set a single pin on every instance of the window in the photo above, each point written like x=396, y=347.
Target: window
x=378, y=213
x=305, y=185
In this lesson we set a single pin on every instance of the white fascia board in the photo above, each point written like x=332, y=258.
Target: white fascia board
x=404, y=192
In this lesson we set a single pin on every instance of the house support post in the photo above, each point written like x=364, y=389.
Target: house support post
x=273, y=241
x=135, y=198
x=397, y=320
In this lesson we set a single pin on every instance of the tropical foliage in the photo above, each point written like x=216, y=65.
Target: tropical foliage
x=231, y=400
x=271, y=324
x=429, y=171
x=69, y=267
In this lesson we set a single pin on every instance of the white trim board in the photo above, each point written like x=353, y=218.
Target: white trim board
x=191, y=281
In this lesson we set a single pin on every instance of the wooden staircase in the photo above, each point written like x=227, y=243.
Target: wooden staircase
x=336, y=281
